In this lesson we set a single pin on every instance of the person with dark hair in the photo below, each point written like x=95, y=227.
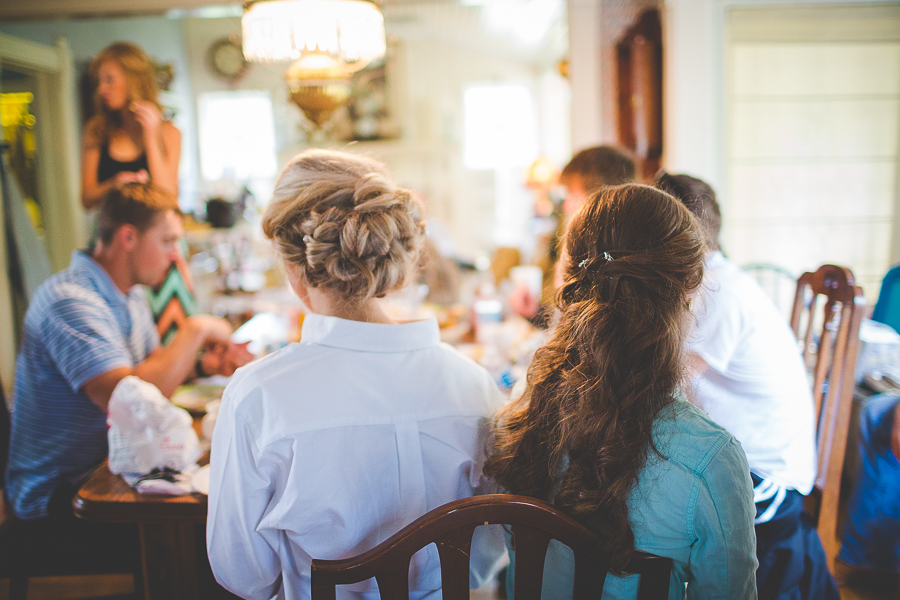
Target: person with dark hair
x=750, y=379
x=87, y=328
x=592, y=168
x=588, y=171
x=602, y=430
x=327, y=447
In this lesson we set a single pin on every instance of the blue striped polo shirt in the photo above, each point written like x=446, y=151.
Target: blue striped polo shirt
x=79, y=325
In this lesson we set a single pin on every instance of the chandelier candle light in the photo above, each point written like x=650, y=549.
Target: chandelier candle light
x=328, y=40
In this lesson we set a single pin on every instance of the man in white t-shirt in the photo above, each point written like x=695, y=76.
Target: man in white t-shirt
x=751, y=380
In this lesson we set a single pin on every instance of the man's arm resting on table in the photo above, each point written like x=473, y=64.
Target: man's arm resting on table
x=166, y=367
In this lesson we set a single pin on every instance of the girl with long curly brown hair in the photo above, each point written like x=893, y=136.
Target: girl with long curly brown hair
x=602, y=430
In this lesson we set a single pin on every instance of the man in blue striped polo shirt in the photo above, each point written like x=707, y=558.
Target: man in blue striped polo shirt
x=86, y=329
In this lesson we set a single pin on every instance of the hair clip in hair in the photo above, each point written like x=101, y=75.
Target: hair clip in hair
x=606, y=256
x=307, y=239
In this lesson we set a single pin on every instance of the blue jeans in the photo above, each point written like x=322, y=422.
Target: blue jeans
x=872, y=533
x=792, y=564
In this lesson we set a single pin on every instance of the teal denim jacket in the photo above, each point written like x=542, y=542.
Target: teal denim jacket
x=695, y=506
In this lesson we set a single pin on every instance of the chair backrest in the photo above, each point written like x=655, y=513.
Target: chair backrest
x=450, y=528
x=777, y=282
x=887, y=309
x=833, y=360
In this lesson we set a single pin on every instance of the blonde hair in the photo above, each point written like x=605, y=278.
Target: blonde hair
x=339, y=220
x=140, y=80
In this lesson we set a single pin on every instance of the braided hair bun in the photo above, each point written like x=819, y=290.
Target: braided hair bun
x=343, y=224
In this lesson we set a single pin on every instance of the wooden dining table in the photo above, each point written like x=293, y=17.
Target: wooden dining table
x=172, y=532
x=173, y=550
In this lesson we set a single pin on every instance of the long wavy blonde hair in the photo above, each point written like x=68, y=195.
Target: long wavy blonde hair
x=140, y=82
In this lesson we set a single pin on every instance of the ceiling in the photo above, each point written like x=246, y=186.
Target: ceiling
x=35, y=10
x=532, y=29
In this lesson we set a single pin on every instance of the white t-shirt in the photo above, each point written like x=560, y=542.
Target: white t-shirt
x=328, y=447
x=756, y=386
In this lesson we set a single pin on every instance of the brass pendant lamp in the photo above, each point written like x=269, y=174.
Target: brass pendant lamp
x=327, y=40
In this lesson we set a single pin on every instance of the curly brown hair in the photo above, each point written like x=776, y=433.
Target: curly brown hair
x=339, y=220
x=582, y=431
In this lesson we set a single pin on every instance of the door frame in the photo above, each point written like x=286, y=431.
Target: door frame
x=58, y=178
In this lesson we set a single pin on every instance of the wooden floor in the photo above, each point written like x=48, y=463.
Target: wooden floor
x=72, y=588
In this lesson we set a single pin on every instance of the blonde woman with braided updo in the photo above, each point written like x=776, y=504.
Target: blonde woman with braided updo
x=331, y=445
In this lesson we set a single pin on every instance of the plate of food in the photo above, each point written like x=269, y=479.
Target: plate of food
x=194, y=397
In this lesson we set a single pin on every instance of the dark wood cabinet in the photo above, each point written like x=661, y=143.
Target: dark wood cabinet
x=639, y=82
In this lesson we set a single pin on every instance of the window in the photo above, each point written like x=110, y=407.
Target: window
x=237, y=136
x=500, y=134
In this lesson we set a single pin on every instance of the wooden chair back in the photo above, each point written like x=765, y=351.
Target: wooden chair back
x=833, y=361
x=778, y=283
x=450, y=528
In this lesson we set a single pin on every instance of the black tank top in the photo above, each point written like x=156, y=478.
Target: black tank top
x=110, y=167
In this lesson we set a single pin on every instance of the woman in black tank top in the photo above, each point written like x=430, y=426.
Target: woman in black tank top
x=127, y=139
x=110, y=167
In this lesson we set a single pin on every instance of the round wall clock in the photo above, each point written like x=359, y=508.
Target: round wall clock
x=225, y=58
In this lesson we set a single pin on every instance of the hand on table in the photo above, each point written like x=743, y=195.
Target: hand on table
x=210, y=328
x=224, y=358
x=522, y=302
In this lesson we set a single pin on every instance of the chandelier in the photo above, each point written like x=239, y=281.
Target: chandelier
x=327, y=40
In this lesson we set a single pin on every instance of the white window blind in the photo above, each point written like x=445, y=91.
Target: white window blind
x=813, y=110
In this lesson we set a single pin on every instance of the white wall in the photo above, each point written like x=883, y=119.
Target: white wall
x=693, y=130
x=585, y=73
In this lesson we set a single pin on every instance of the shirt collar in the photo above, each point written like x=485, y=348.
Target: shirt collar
x=370, y=337
x=84, y=262
x=715, y=259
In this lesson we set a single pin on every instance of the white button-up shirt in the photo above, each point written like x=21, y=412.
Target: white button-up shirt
x=330, y=446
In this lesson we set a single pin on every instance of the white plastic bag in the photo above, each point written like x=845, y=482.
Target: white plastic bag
x=147, y=431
